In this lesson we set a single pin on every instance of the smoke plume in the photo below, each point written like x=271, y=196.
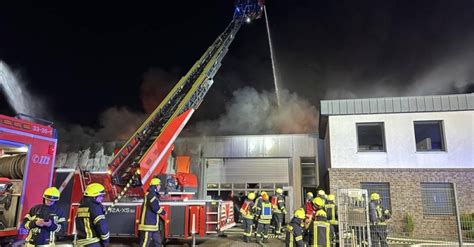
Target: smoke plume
x=253, y=112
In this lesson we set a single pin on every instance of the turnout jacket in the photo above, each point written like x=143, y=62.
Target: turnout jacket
x=278, y=204
x=151, y=211
x=294, y=233
x=247, y=209
x=43, y=235
x=91, y=226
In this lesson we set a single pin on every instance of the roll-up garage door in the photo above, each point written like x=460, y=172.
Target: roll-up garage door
x=247, y=170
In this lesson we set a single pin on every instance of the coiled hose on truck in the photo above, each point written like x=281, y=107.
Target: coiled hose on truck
x=13, y=167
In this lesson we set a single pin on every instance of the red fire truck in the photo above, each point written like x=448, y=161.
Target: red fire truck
x=27, y=154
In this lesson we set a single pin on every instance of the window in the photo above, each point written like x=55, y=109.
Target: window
x=383, y=189
x=437, y=198
x=429, y=136
x=308, y=171
x=370, y=137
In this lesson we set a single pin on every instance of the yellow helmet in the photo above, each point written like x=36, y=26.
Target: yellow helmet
x=251, y=196
x=374, y=197
x=51, y=194
x=299, y=213
x=94, y=189
x=309, y=195
x=279, y=191
x=321, y=213
x=321, y=193
x=318, y=202
x=155, y=181
x=331, y=197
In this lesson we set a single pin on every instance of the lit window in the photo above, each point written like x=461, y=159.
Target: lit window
x=429, y=136
x=370, y=137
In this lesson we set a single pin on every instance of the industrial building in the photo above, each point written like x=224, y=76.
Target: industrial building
x=416, y=152
x=243, y=163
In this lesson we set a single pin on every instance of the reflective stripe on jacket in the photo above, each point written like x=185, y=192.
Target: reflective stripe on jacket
x=247, y=209
x=43, y=235
x=151, y=211
x=264, y=211
x=91, y=225
x=332, y=213
x=321, y=234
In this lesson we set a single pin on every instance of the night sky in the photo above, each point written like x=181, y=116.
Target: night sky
x=83, y=59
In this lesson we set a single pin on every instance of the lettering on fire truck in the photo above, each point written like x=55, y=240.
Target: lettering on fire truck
x=41, y=159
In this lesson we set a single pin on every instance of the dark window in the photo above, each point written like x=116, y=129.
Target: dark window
x=437, y=198
x=383, y=189
x=308, y=171
x=370, y=137
x=429, y=136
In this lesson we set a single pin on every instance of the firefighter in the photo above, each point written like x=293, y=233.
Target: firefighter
x=247, y=213
x=318, y=204
x=331, y=210
x=322, y=195
x=257, y=201
x=91, y=226
x=279, y=210
x=45, y=220
x=294, y=233
x=309, y=208
x=149, y=227
x=264, y=215
x=322, y=232
x=378, y=217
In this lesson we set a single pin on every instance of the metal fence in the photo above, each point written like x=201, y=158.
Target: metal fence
x=433, y=217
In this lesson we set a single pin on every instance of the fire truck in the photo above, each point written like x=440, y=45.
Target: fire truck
x=28, y=150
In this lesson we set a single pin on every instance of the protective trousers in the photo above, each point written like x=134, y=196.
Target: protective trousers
x=149, y=238
x=277, y=222
x=248, y=225
x=378, y=234
x=262, y=231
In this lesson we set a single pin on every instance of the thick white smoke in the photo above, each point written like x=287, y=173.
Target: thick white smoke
x=253, y=112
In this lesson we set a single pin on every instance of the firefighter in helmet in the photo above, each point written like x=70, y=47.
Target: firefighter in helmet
x=322, y=232
x=247, y=213
x=294, y=233
x=318, y=204
x=149, y=227
x=378, y=217
x=279, y=210
x=331, y=210
x=91, y=226
x=264, y=216
x=322, y=195
x=45, y=220
x=309, y=211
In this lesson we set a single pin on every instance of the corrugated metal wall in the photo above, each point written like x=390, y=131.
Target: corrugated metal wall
x=247, y=171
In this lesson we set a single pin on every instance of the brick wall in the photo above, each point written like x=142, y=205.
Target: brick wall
x=405, y=193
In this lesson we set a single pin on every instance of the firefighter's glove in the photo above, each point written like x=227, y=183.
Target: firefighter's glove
x=163, y=211
x=39, y=222
x=47, y=223
x=284, y=211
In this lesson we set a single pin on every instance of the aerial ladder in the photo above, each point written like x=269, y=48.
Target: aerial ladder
x=144, y=155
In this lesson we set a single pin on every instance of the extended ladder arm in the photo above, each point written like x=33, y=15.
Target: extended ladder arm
x=186, y=95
